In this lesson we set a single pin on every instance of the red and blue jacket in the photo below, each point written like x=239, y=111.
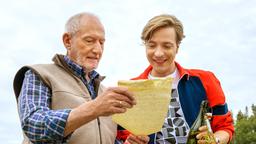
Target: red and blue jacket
x=195, y=86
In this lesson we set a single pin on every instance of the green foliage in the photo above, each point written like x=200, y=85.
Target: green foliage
x=245, y=127
x=254, y=110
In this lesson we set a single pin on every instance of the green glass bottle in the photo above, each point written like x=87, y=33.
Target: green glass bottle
x=210, y=137
x=202, y=119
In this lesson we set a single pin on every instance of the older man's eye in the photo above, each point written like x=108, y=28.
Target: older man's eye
x=102, y=42
x=89, y=41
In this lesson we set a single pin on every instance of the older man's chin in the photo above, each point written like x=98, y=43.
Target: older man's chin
x=91, y=67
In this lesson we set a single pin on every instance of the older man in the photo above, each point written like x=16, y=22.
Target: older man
x=64, y=102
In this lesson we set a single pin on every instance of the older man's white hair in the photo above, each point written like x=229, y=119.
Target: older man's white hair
x=73, y=24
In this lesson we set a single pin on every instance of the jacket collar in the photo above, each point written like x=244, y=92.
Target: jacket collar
x=58, y=59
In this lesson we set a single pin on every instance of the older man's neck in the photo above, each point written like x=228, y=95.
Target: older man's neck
x=87, y=76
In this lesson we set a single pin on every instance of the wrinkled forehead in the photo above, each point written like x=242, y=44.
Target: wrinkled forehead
x=91, y=21
x=91, y=28
x=83, y=22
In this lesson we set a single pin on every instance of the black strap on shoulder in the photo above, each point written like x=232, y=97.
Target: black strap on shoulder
x=18, y=80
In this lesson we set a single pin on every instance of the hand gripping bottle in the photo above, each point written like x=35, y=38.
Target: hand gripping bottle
x=202, y=119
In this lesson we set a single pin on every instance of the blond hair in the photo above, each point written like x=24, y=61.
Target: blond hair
x=163, y=21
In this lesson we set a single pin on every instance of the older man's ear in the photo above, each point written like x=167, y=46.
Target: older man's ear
x=66, y=38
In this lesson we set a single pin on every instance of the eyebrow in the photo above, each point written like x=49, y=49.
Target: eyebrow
x=153, y=42
x=94, y=37
x=169, y=43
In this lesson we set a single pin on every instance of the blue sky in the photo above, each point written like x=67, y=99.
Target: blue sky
x=220, y=37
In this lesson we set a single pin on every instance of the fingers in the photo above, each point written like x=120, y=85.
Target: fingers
x=206, y=141
x=202, y=141
x=137, y=139
x=117, y=110
x=113, y=107
x=114, y=100
x=202, y=132
x=144, y=139
x=122, y=98
x=121, y=104
x=201, y=135
x=132, y=140
x=203, y=128
x=124, y=94
x=204, y=136
x=124, y=104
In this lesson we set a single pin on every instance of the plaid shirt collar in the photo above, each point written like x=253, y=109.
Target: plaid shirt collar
x=78, y=70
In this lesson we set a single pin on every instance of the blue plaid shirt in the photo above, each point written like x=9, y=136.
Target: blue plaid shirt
x=41, y=124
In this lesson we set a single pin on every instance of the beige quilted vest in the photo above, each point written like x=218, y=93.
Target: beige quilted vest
x=68, y=92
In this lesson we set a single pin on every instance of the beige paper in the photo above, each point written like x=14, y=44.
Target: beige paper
x=147, y=116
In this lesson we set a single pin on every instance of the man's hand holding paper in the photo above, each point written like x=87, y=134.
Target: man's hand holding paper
x=147, y=116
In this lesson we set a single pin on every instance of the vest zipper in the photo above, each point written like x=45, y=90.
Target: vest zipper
x=98, y=119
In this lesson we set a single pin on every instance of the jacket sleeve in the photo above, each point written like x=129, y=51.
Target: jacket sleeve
x=122, y=133
x=222, y=118
x=223, y=122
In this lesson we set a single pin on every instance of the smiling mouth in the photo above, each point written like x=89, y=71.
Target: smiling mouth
x=159, y=61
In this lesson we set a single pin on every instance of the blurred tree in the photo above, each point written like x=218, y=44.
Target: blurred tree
x=253, y=110
x=245, y=127
x=240, y=116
